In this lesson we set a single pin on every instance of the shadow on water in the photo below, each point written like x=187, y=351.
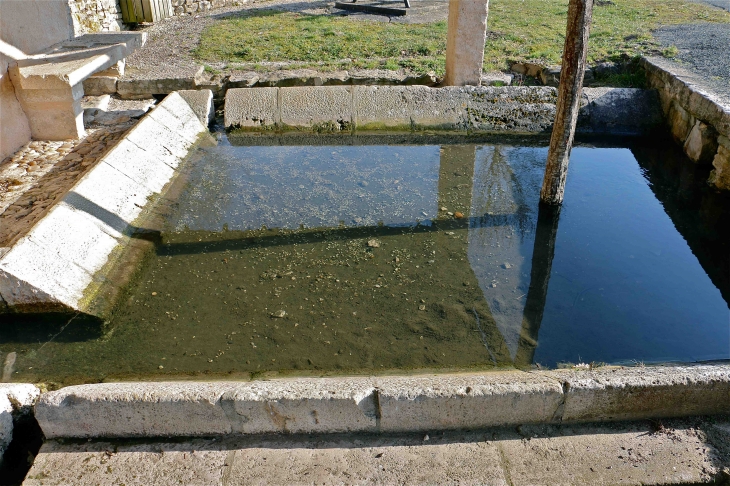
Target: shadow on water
x=542, y=262
x=60, y=327
x=700, y=215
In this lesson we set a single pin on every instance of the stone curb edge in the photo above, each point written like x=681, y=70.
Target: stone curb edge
x=383, y=404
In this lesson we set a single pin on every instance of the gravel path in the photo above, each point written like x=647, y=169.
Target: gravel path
x=702, y=48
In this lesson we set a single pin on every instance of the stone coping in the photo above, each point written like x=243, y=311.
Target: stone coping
x=515, y=109
x=383, y=404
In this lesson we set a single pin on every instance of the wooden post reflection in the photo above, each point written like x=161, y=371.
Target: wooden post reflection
x=542, y=263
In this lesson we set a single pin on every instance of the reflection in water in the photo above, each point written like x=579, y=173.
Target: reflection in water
x=352, y=259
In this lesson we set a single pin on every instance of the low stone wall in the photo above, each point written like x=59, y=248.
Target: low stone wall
x=516, y=109
x=698, y=118
x=61, y=261
x=183, y=7
x=90, y=16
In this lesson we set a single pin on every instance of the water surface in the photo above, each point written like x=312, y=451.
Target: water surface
x=374, y=258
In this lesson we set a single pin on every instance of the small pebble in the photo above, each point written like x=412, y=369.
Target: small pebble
x=160, y=367
x=279, y=314
x=458, y=215
x=374, y=243
x=422, y=307
x=443, y=208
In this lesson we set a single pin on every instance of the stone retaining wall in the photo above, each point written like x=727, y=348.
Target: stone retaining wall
x=516, y=109
x=698, y=119
x=90, y=16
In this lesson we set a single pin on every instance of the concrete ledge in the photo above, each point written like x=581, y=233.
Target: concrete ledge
x=467, y=401
x=59, y=262
x=476, y=109
x=382, y=404
x=639, y=393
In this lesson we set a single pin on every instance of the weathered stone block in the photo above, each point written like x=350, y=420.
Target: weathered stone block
x=640, y=393
x=242, y=80
x=468, y=401
x=550, y=76
x=201, y=101
x=100, y=85
x=323, y=107
x=680, y=122
x=135, y=88
x=701, y=143
x=252, y=108
x=54, y=265
x=519, y=109
x=497, y=79
x=382, y=106
x=720, y=176
x=117, y=70
x=620, y=111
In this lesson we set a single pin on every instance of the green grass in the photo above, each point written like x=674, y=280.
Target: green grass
x=518, y=30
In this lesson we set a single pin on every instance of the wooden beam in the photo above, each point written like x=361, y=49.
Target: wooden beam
x=580, y=13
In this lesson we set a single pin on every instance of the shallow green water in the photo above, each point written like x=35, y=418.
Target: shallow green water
x=351, y=259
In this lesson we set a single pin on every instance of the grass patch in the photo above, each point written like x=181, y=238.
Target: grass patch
x=518, y=30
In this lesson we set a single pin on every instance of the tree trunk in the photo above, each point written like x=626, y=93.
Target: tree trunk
x=569, y=95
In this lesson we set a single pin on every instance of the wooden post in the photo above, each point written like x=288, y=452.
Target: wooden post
x=569, y=95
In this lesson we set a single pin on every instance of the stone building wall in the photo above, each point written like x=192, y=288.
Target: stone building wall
x=91, y=16
x=184, y=7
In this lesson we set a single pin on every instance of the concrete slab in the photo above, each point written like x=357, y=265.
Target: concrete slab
x=102, y=463
x=630, y=454
x=679, y=452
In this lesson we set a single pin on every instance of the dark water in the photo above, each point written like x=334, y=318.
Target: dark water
x=354, y=259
